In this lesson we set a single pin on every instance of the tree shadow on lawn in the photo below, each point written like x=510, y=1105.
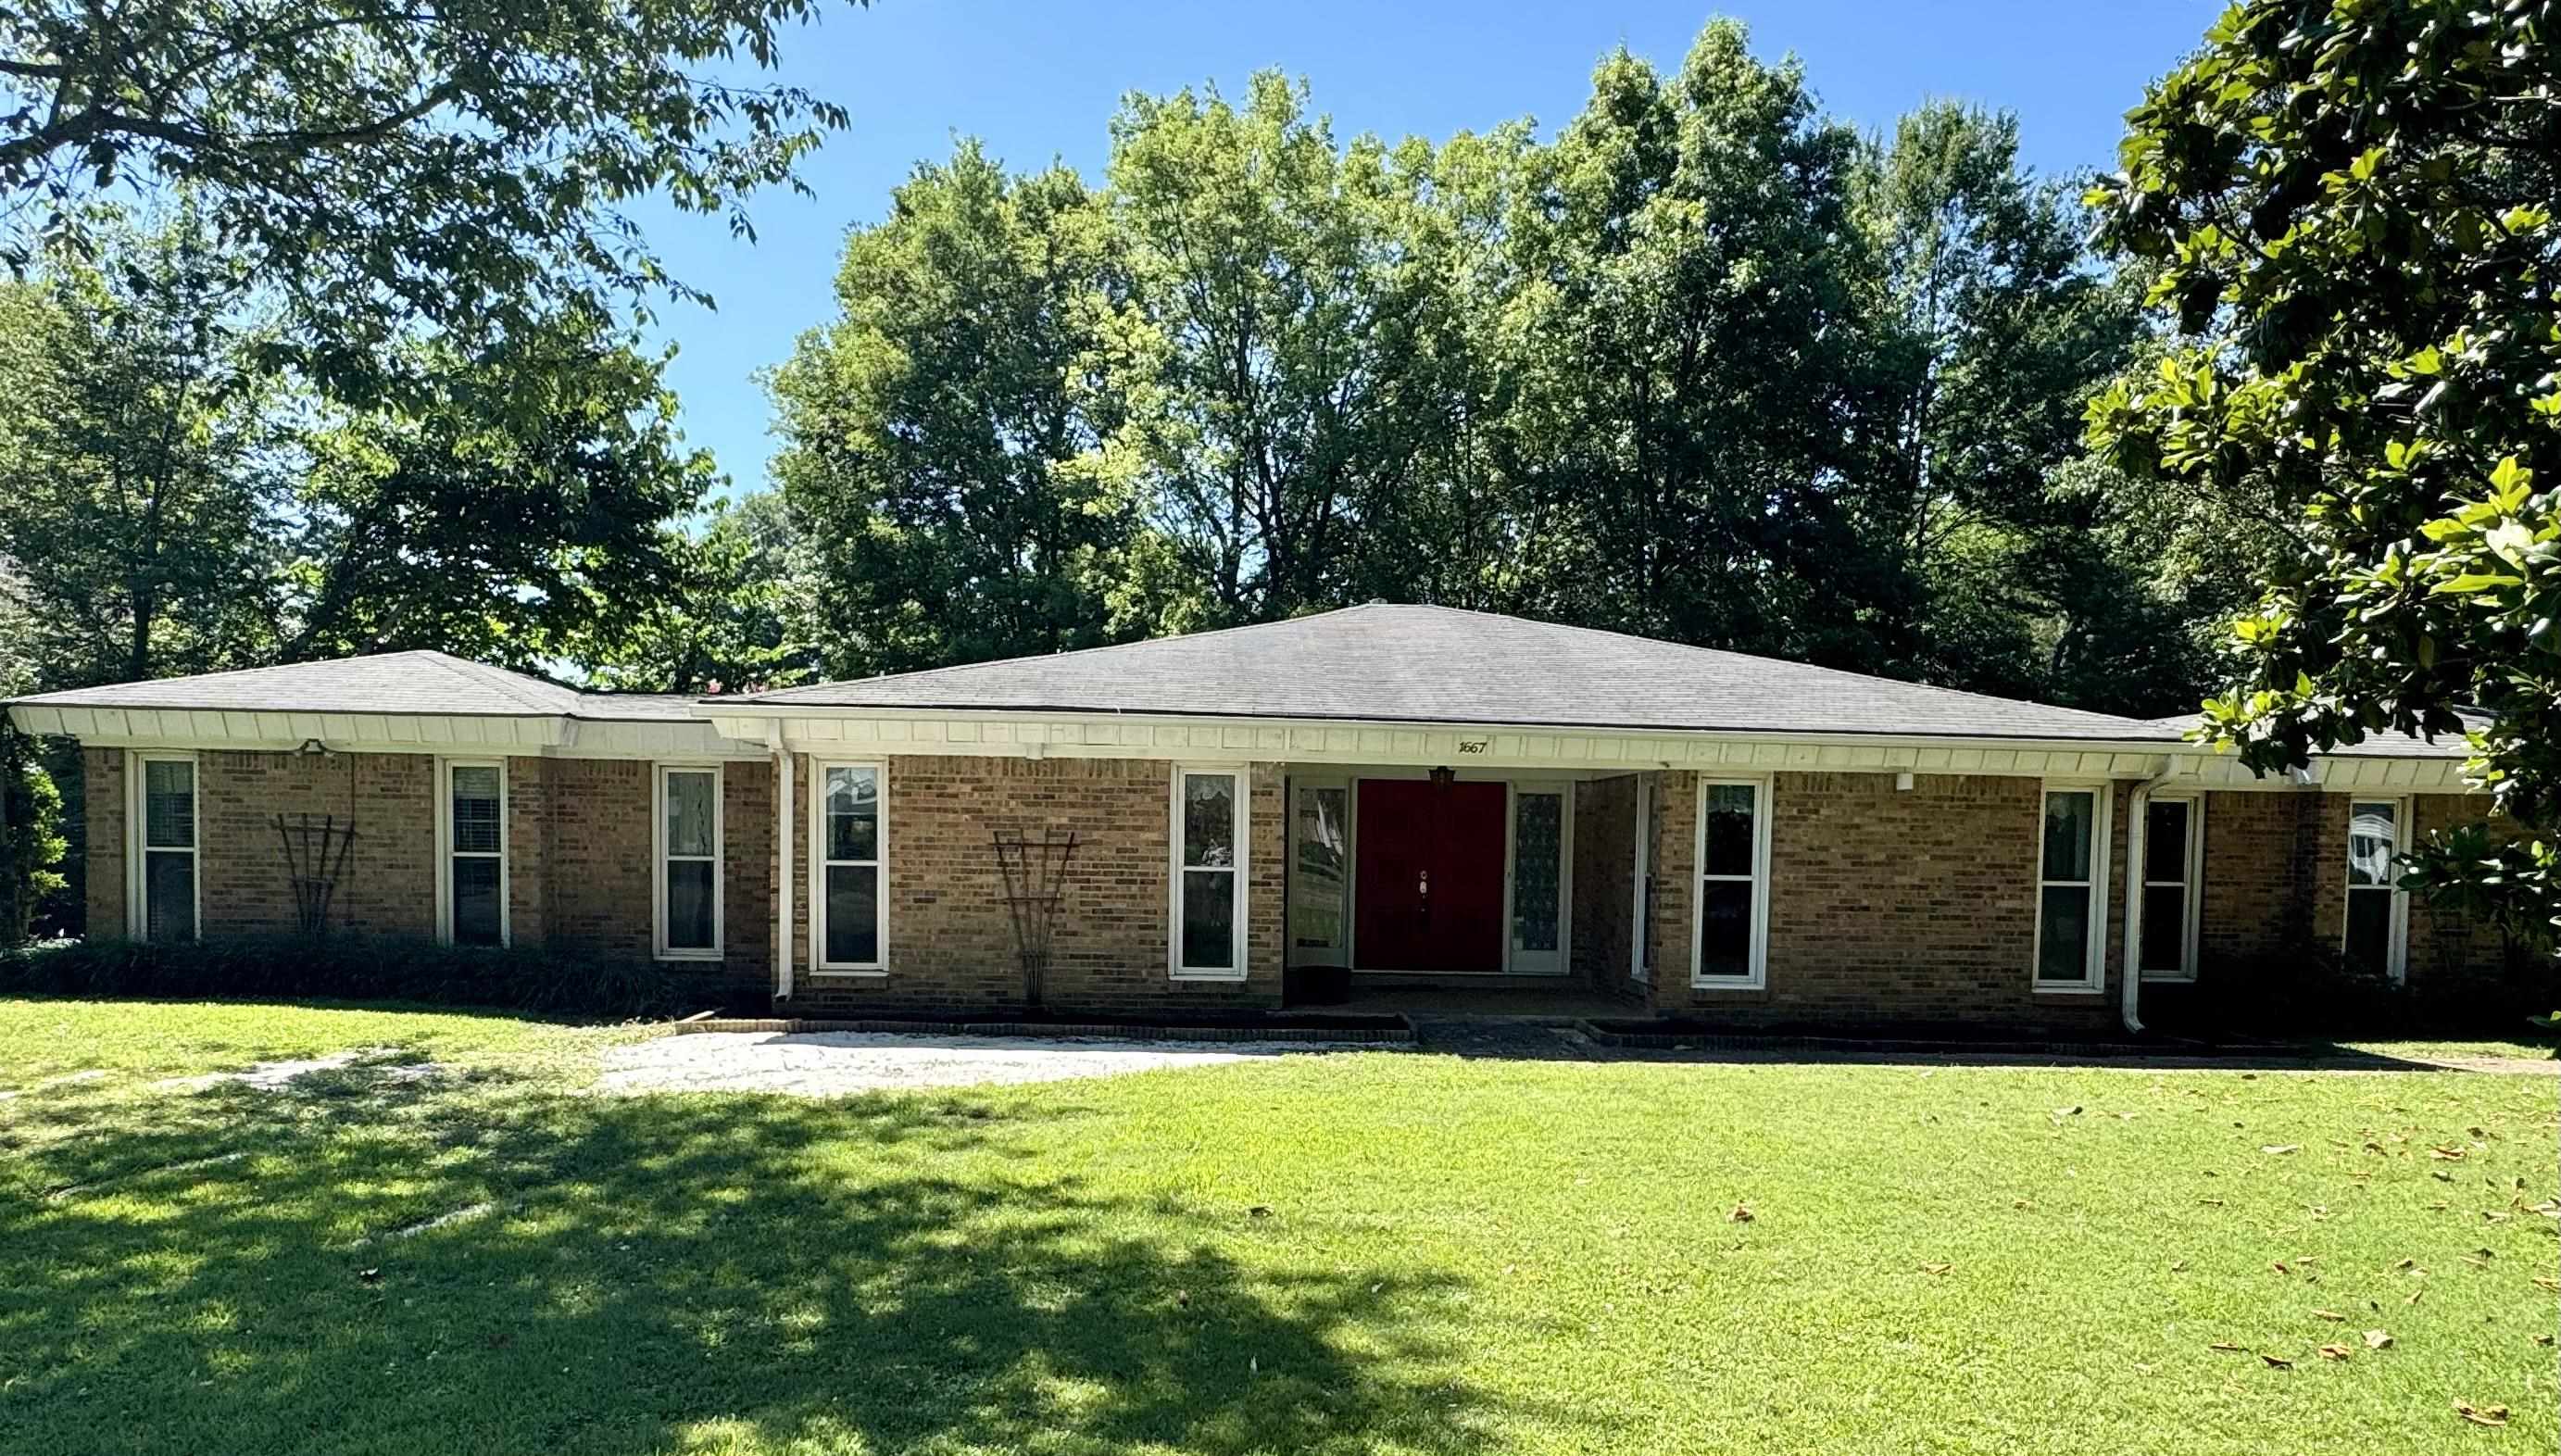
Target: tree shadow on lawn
x=640, y=1274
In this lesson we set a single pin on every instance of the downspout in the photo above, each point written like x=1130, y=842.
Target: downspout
x=783, y=843
x=2129, y=978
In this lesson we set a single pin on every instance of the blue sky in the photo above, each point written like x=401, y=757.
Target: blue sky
x=1041, y=80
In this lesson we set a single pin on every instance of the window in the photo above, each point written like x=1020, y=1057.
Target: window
x=1538, y=883
x=690, y=849
x=2071, y=902
x=2376, y=930
x=165, y=908
x=2173, y=853
x=1319, y=874
x=1733, y=927
x=1209, y=873
x=473, y=822
x=851, y=901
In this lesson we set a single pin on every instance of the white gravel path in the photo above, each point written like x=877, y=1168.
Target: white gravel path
x=832, y=1063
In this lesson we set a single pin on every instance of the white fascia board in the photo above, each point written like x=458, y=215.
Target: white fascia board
x=451, y=736
x=1312, y=741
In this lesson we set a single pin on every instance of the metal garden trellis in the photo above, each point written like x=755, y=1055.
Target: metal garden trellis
x=314, y=856
x=1035, y=873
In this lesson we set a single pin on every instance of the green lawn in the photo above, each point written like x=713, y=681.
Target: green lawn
x=1380, y=1251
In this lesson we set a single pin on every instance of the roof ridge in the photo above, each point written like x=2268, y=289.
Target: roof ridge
x=507, y=681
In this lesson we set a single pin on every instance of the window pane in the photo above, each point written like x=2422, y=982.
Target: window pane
x=2062, y=933
x=1209, y=919
x=169, y=896
x=2165, y=842
x=2369, y=930
x=1209, y=819
x=1729, y=829
x=169, y=804
x=2165, y=927
x=1538, y=825
x=853, y=814
x=1317, y=899
x=853, y=914
x=689, y=904
x=2370, y=844
x=475, y=901
x=1725, y=928
x=2068, y=818
x=475, y=810
x=689, y=813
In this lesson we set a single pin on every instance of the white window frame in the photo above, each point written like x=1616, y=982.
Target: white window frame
x=819, y=863
x=445, y=849
x=1242, y=830
x=2093, y=978
x=660, y=859
x=1759, y=977
x=137, y=838
x=2396, y=948
x=2192, y=920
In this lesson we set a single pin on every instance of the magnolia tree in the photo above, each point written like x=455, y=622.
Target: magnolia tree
x=2349, y=208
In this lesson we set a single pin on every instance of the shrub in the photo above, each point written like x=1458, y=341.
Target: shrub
x=362, y=968
x=2315, y=990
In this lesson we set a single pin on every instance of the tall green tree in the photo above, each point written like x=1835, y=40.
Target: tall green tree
x=1685, y=397
x=458, y=167
x=2350, y=205
x=938, y=435
x=517, y=508
x=142, y=458
x=1269, y=327
x=736, y=623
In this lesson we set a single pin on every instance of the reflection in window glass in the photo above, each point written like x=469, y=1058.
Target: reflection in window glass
x=2066, y=900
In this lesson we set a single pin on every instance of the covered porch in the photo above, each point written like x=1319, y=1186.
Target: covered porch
x=1512, y=891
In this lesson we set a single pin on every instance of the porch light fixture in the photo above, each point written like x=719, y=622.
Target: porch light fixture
x=1444, y=776
x=314, y=748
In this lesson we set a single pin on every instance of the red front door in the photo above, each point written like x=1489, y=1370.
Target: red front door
x=1427, y=875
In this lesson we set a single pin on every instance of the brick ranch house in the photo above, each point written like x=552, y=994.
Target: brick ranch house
x=1395, y=794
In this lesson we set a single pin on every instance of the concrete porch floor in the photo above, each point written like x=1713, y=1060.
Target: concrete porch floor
x=1549, y=1003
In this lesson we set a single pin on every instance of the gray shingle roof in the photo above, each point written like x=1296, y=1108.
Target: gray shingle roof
x=1424, y=664
x=419, y=682
x=2385, y=744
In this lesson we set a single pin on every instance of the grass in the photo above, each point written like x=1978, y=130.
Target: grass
x=1382, y=1251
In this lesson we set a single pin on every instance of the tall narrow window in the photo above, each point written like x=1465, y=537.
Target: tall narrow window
x=1209, y=868
x=168, y=850
x=1732, y=886
x=1538, y=879
x=1320, y=847
x=851, y=902
x=1650, y=832
x=2168, y=930
x=2069, y=905
x=2375, y=922
x=689, y=856
x=476, y=854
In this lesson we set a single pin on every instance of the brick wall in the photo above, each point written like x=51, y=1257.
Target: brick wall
x=951, y=936
x=1915, y=904
x=2252, y=903
x=1605, y=866
x=579, y=848
x=102, y=802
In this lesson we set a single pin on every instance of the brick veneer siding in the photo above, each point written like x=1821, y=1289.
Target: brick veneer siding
x=2254, y=902
x=951, y=936
x=1915, y=904
x=582, y=864
x=579, y=848
x=102, y=805
x=1605, y=866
